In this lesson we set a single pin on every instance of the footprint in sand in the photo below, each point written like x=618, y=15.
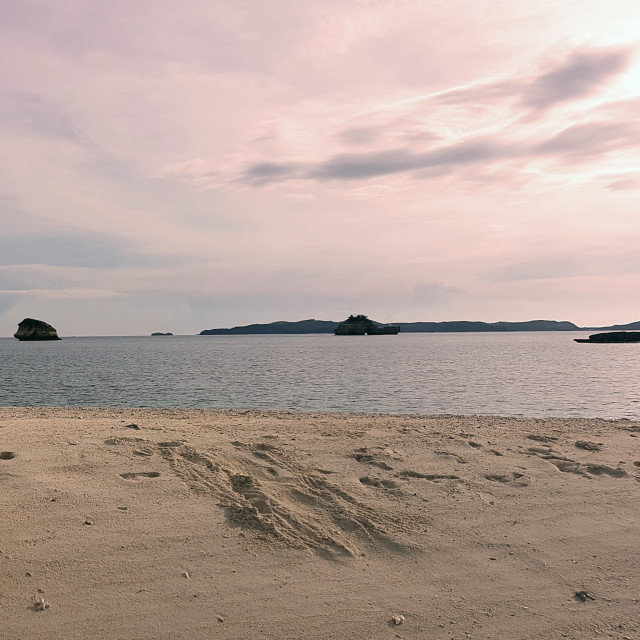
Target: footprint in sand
x=7, y=455
x=477, y=445
x=538, y=438
x=287, y=503
x=433, y=477
x=547, y=453
x=140, y=474
x=566, y=465
x=364, y=457
x=603, y=469
x=374, y=482
x=455, y=456
x=508, y=478
x=587, y=470
x=588, y=446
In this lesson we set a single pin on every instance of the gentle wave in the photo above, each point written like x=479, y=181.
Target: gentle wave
x=519, y=374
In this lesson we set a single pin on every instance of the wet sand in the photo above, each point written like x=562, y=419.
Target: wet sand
x=174, y=524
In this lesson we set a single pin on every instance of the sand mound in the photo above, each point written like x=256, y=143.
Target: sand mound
x=268, y=492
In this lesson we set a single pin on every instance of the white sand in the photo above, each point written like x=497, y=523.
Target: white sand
x=250, y=525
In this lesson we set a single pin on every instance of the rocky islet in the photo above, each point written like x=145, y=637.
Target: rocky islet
x=31, y=329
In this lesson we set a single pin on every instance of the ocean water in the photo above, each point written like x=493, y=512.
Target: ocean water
x=510, y=374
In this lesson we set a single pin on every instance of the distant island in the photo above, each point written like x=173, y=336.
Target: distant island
x=30, y=329
x=612, y=337
x=302, y=326
x=158, y=333
x=456, y=326
x=361, y=325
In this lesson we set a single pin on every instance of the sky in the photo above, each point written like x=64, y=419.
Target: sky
x=209, y=163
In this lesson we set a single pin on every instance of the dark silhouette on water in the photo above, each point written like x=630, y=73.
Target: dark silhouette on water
x=360, y=325
x=456, y=326
x=30, y=329
x=611, y=337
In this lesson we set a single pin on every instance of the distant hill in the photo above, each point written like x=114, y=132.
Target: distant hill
x=466, y=326
x=631, y=326
x=302, y=326
x=328, y=326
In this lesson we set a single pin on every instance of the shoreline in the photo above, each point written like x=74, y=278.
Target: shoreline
x=315, y=413
x=174, y=523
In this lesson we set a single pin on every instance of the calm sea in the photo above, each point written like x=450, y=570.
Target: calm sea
x=519, y=374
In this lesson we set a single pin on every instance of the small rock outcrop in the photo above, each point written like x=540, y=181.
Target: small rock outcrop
x=612, y=337
x=30, y=329
x=360, y=325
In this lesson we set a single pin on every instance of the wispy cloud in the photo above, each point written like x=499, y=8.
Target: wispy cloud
x=582, y=142
x=578, y=143
x=485, y=127
x=362, y=166
x=581, y=75
x=625, y=182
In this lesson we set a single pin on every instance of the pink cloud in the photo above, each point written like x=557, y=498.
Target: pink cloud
x=582, y=74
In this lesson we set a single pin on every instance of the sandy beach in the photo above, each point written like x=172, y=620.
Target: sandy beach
x=136, y=524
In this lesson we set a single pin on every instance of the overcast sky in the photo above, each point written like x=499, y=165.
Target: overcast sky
x=179, y=166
